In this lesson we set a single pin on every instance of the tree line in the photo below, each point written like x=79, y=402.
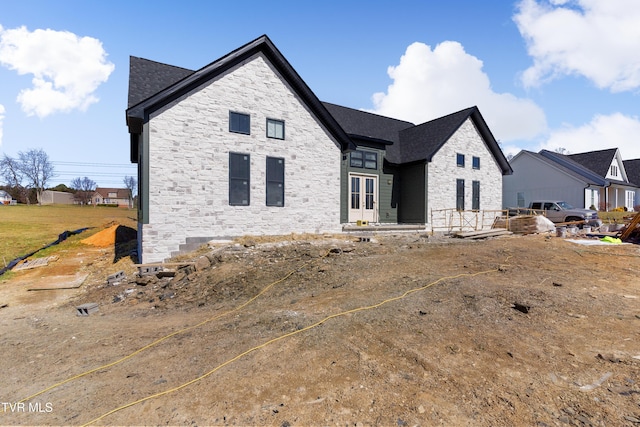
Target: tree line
x=28, y=175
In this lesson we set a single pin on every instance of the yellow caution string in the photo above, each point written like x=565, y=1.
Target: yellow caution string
x=287, y=335
x=181, y=331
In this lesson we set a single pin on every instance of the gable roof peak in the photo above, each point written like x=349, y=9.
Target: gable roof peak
x=137, y=113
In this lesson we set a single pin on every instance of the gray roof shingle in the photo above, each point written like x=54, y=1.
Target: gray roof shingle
x=597, y=161
x=573, y=168
x=632, y=167
x=146, y=78
x=358, y=123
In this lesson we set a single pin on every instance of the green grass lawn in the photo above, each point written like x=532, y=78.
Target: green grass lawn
x=24, y=229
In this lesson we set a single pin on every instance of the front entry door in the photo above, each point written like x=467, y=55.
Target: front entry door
x=363, y=198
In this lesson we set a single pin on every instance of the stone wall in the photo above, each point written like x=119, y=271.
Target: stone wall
x=443, y=173
x=189, y=146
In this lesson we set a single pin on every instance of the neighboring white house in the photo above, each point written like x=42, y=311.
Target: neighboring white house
x=596, y=179
x=632, y=167
x=243, y=146
x=5, y=198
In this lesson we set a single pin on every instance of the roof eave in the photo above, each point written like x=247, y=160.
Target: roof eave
x=261, y=44
x=492, y=143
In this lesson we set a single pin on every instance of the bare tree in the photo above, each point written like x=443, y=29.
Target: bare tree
x=562, y=150
x=12, y=174
x=130, y=183
x=36, y=169
x=84, y=189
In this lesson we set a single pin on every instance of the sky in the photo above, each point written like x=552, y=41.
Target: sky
x=545, y=74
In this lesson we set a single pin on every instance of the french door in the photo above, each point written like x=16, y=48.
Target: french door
x=363, y=198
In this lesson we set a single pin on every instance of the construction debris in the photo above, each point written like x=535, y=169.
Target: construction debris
x=631, y=233
x=525, y=224
x=87, y=309
x=482, y=234
x=34, y=263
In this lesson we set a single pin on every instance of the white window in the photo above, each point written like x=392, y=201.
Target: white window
x=275, y=129
x=630, y=200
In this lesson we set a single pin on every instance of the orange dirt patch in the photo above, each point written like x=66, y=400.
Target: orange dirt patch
x=102, y=239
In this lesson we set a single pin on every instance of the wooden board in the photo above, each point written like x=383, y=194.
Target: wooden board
x=481, y=234
x=34, y=263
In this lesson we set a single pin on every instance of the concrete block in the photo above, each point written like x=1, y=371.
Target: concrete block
x=87, y=309
x=149, y=270
x=115, y=277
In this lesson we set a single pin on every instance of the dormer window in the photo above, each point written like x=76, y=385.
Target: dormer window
x=614, y=170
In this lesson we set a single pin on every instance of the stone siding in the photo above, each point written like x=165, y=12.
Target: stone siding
x=189, y=146
x=443, y=173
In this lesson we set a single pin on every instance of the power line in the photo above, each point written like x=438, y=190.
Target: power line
x=129, y=165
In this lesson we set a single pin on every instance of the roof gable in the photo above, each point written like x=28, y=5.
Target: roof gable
x=596, y=161
x=569, y=167
x=600, y=162
x=138, y=113
x=569, y=163
x=422, y=142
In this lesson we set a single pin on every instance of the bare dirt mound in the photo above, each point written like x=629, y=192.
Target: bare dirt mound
x=404, y=330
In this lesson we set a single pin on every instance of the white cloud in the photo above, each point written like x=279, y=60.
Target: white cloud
x=604, y=131
x=597, y=39
x=428, y=84
x=66, y=69
x=1, y=122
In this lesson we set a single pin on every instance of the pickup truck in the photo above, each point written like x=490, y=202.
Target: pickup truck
x=558, y=212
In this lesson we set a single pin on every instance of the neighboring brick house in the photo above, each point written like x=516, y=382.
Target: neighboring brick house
x=111, y=196
x=243, y=146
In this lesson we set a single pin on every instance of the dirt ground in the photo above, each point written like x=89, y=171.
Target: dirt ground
x=403, y=330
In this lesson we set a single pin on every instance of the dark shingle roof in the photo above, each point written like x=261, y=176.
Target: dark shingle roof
x=146, y=78
x=572, y=167
x=358, y=123
x=137, y=113
x=597, y=161
x=632, y=167
x=420, y=143
x=153, y=85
